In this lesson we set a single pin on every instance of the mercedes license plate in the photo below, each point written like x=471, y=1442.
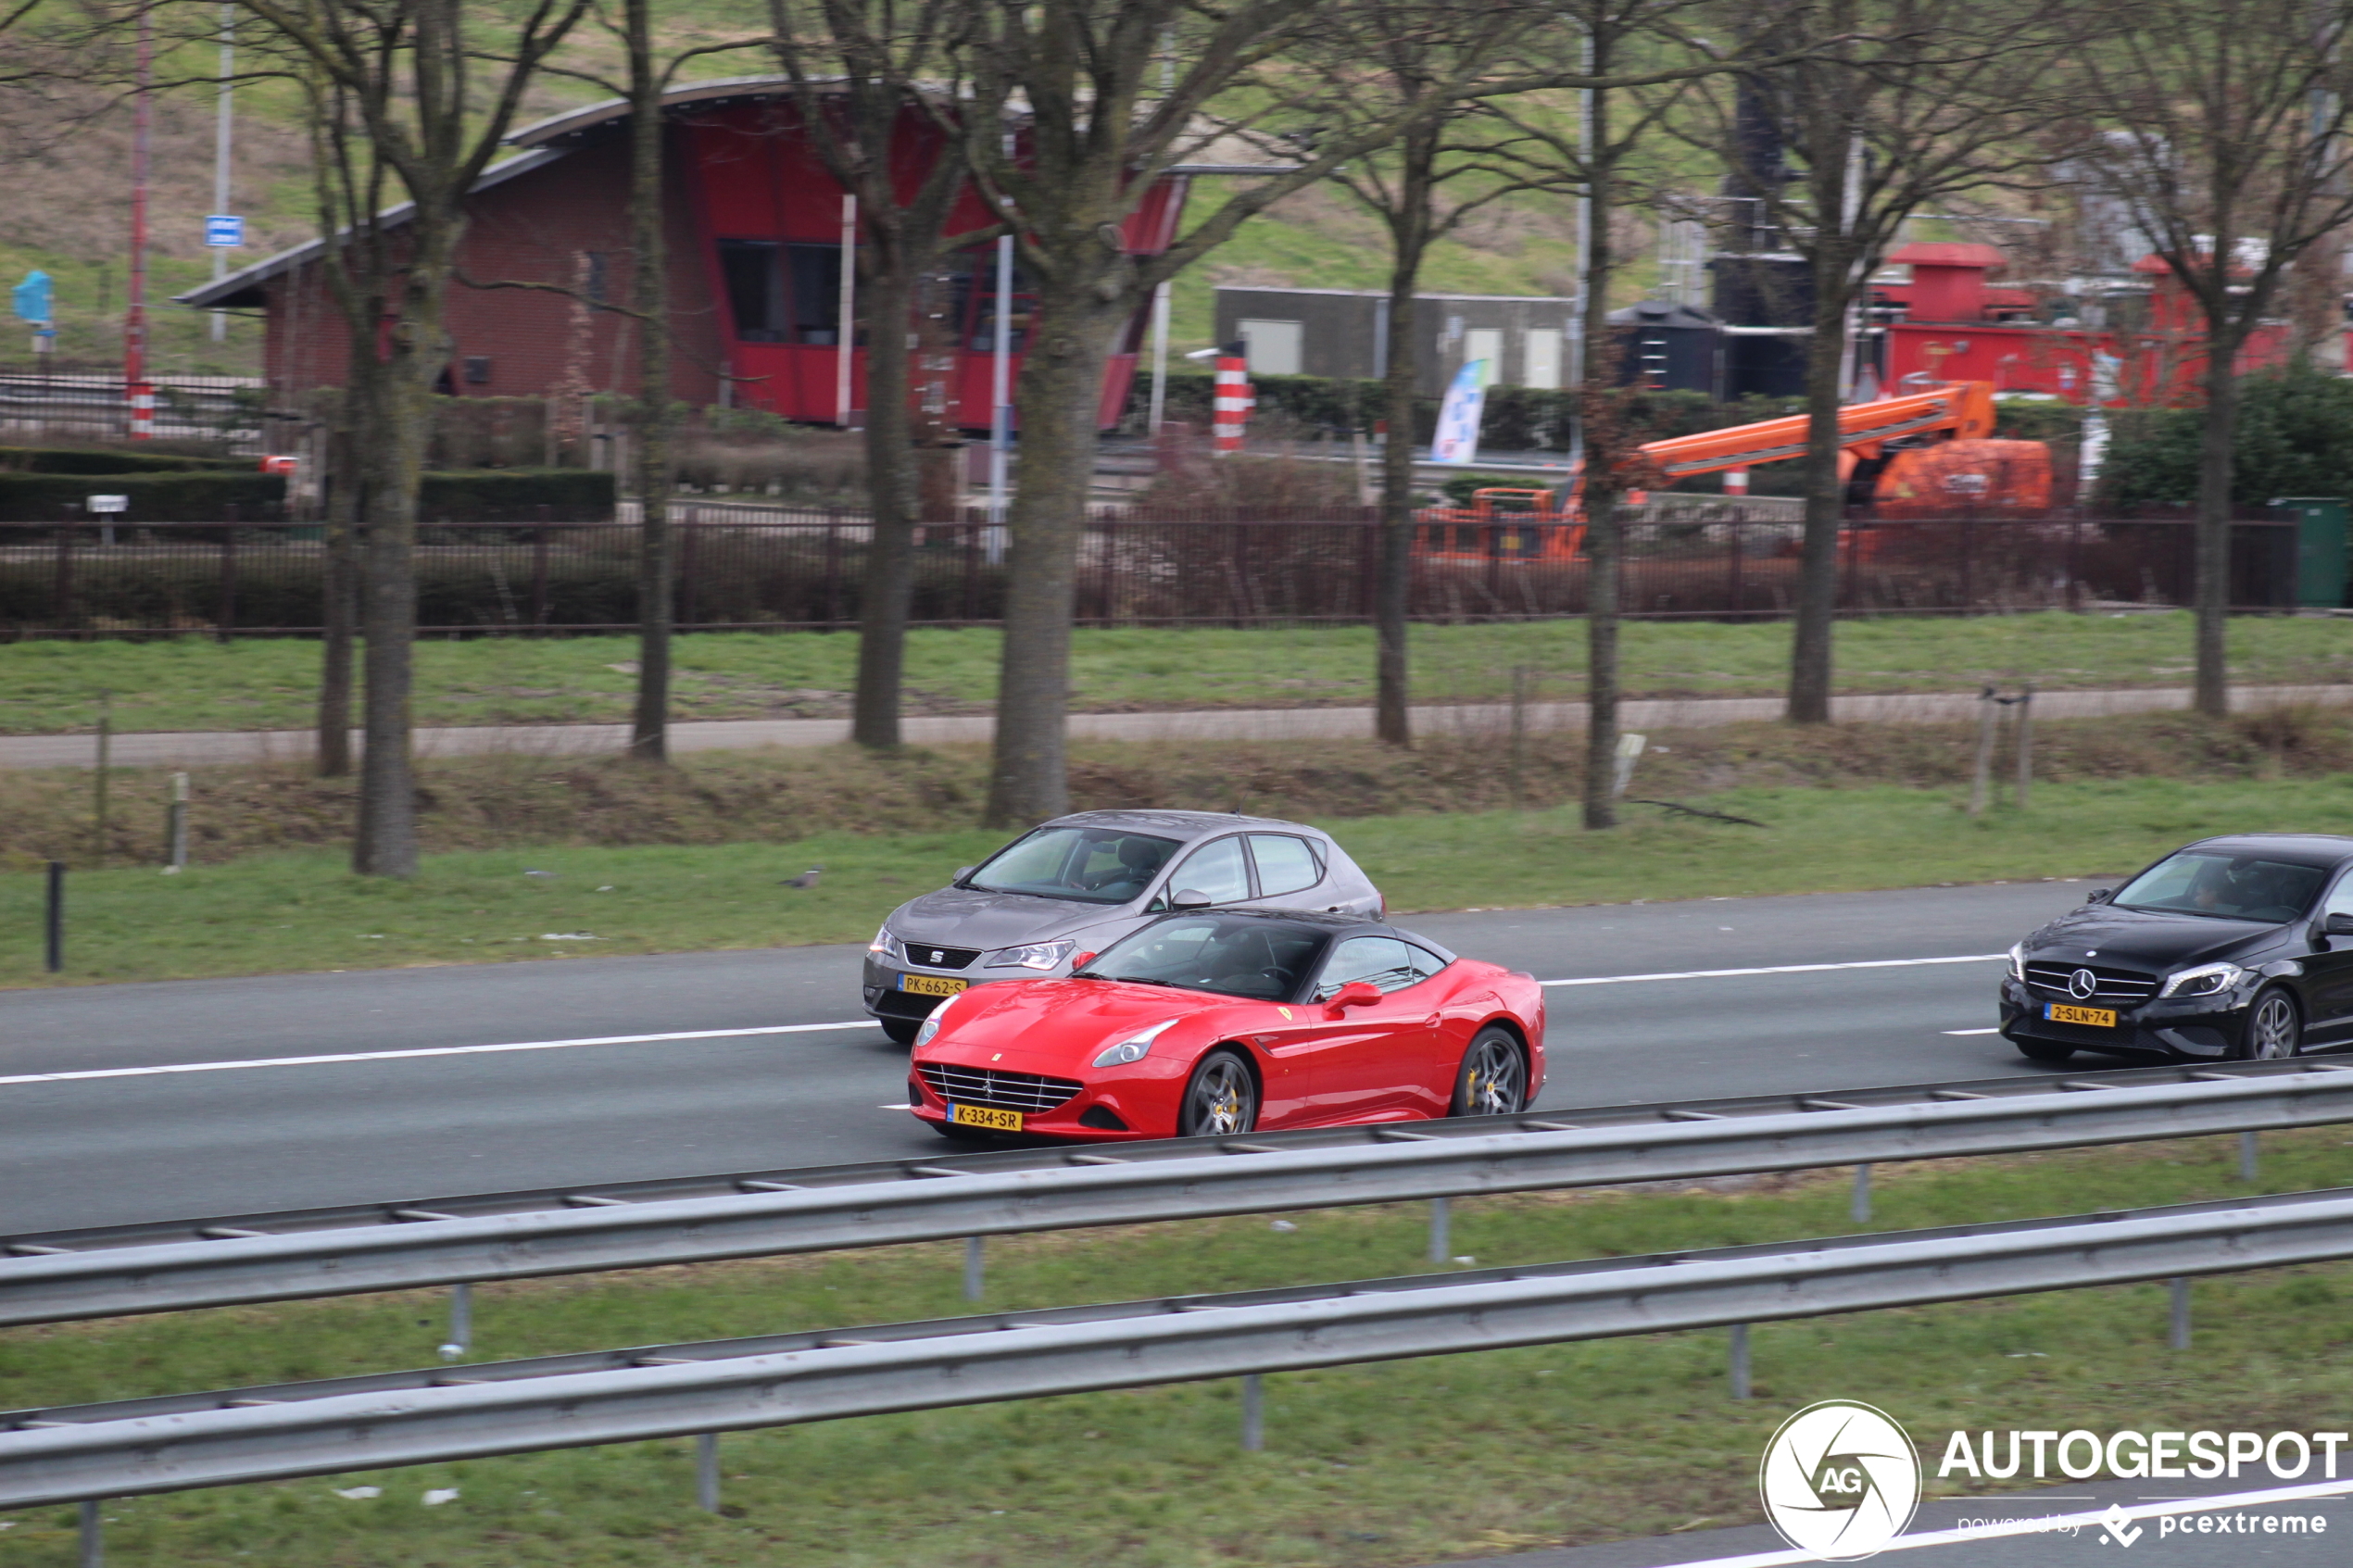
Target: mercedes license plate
x=2099, y=1018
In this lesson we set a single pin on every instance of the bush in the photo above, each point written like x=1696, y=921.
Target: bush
x=2295, y=438
x=186, y=495
x=107, y=459
x=516, y=496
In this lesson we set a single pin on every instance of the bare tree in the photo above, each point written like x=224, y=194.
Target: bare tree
x=866, y=79
x=1889, y=106
x=396, y=101
x=2220, y=127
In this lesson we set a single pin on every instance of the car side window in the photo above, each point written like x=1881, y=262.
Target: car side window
x=1382, y=962
x=1284, y=864
x=1214, y=871
x=2340, y=899
x=1424, y=963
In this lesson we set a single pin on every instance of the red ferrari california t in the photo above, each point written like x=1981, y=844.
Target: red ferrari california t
x=1215, y=1023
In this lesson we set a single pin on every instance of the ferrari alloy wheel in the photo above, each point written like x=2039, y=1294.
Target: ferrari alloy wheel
x=1494, y=1076
x=1221, y=1099
x=2273, y=1031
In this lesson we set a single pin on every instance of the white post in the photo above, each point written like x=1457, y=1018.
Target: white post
x=1740, y=1378
x=707, y=1472
x=1253, y=1414
x=1440, y=1230
x=1861, y=1208
x=222, y=134
x=846, y=332
x=976, y=1265
x=1160, y=355
x=1000, y=385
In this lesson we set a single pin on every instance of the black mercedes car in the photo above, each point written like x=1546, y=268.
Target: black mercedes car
x=2230, y=947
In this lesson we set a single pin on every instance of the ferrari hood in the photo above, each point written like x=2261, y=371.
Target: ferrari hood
x=1054, y=1015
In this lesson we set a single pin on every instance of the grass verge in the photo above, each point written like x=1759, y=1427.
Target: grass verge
x=1400, y=1463
x=190, y=683
x=303, y=911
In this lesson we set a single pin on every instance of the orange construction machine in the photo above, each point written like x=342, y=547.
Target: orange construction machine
x=1925, y=454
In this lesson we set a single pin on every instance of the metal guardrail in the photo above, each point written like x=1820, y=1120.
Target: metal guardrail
x=135, y=1447
x=408, y=1246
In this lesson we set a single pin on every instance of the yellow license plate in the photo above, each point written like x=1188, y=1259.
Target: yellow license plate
x=930, y=986
x=985, y=1116
x=2099, y=1018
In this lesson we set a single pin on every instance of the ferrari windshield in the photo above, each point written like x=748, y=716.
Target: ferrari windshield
x=1233, y=955
x=2200, y=882
x=1090, y=865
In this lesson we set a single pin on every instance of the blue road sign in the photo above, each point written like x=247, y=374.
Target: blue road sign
x=33, y=297
x=224, y=231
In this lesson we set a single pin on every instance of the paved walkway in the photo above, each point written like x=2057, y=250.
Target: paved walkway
x=194, y=748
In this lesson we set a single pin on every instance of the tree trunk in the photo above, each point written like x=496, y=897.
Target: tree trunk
x=2217, y=437
x=890, y=487
x=385, y=843
x=346, y=498
x=656, y=410
x=1061, y=381
x=1809, y=666
x=1603, y=531
x=1409, y=230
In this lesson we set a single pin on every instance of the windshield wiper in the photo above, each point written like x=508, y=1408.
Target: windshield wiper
x=1126, y=979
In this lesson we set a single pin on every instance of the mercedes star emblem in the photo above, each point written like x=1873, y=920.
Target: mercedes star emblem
x=2082, y=984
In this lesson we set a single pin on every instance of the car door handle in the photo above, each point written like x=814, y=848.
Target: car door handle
x=1431, y=1022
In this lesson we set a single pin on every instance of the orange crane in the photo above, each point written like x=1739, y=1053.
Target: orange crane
x=1927, y=452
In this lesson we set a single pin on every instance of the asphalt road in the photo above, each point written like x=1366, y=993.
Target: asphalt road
x=183, y=1101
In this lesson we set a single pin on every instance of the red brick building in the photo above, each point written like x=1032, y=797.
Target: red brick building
x=756, y=256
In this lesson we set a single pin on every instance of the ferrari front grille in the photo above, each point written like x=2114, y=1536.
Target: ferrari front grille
x=1002, y=1091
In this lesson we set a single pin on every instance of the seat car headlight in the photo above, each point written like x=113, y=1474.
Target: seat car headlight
x=2207, y=980
x=885, y=945
x=1135, y=1047
x=1035, y=954
x=2017, y=961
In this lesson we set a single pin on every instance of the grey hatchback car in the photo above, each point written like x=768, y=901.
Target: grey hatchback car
x=1079, y=883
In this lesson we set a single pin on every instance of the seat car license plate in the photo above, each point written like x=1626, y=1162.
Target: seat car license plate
x=2099, y=1018
x=931, y=985
x=985, y=1116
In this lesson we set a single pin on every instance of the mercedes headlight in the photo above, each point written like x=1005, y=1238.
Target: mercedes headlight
x=2207, y=980
x=885, y=945
x=2017, y=961
x=1035, y=954
x=1135, y=1047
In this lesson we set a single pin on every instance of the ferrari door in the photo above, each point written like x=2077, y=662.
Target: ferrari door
x=1372, y=1062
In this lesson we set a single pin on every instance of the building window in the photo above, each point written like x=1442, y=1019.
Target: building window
x=1543, y=358
x=597, y=282
x=816, y=293
x=975, y=301
x=755, y=289
x=1486, y=343
x=477, y=370
x=1272, y=347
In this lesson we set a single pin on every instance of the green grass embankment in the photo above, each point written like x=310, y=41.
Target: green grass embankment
x=304, y=911
x=191, y=683
x=1374, y=1466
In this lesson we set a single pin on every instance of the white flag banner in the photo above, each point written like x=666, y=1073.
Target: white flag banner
x=1458, y=416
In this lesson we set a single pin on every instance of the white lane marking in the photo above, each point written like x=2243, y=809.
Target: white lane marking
x=1972, y=1031
x=434, y=1050
x=1777, y=969
x=2052, y=1522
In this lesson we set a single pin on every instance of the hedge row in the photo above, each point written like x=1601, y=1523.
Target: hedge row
x=200, y=495
x=100, y=460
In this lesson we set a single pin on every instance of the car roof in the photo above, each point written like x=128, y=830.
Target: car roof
x=2313, y=848
x=1185, y=826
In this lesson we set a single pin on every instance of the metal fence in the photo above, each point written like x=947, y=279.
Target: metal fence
x=748, y=569
x=80, y=405
x=62, y=1276
x=232, y=1436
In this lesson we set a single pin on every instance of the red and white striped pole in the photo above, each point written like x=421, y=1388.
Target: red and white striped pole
x=142, y=396
x=1230, y=409
x=1735, y=481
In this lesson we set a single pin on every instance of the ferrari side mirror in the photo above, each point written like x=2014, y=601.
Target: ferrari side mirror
x=1190, y=898
x=1356, y=994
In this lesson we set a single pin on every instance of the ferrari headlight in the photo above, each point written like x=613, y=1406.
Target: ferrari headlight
x=1035, y=954
x=2207, y=980
x=2017, y=961
x=1135, y=1047
x=928, y=1030
x=885, y=945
